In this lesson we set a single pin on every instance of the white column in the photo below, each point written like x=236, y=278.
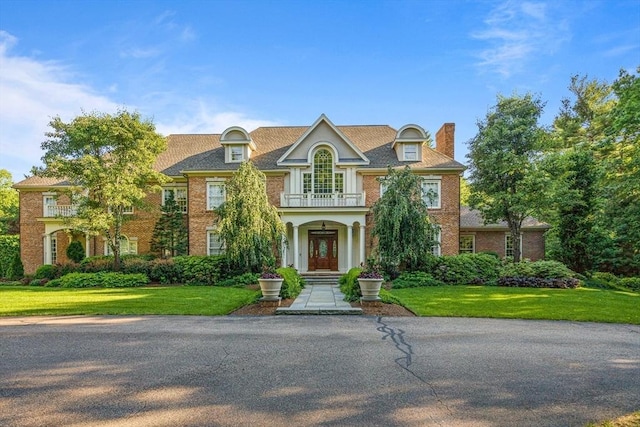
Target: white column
x=362, y=234
x=47, y=248
x=87, y=246
x=295, y=247
x=349, y=246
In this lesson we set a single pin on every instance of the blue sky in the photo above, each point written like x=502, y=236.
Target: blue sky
x=201, y=66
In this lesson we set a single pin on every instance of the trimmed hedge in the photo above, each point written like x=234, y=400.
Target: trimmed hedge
x=101, y=279
x=466, y=269
x=538, y=282
x=540, y=269
x=415, y=279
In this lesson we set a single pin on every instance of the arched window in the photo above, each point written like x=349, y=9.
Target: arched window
x=323, y=172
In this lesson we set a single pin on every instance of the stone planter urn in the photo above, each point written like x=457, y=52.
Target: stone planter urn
x=370, y=289
x=270, y=289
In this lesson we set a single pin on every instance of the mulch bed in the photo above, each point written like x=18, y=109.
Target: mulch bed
x=371, y=309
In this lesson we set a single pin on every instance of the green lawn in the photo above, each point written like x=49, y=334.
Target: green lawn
x=188, y=300
x=582, y=304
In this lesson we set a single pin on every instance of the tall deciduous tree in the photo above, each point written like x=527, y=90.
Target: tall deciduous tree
x=402, y=224
x=503, y=156
x=8, y=204
x=170, y=235
x=108, y=160
x=575, y=196
x=248, y=224
x=621, y=151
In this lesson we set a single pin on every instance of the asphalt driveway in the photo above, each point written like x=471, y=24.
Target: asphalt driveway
x=314, y=371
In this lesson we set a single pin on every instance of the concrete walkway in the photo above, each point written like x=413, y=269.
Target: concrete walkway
x=320, y=299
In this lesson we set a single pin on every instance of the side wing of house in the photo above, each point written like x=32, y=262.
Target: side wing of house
x=475, y=236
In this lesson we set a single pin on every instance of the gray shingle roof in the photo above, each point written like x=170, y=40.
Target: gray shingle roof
x=203, y=152
x=471, y=219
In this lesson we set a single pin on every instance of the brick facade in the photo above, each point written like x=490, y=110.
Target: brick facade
x=364, y=153
x=494, y=241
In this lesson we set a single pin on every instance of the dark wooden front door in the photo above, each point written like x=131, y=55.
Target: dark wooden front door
x=323, y=250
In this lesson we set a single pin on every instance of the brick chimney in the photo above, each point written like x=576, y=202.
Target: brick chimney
x=445, y=139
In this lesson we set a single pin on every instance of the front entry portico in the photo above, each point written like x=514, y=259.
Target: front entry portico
x=324, y=240
x=323, y=250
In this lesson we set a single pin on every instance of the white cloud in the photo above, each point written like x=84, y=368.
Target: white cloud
x=516, y=32
x=32, y=93
x=202, y=118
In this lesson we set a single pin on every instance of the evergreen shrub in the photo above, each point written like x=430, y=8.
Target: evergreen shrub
x=75, y=251
x=16, y=269
x=292, y=283
x=9, y=247
x=202, y=269
x=349, y=284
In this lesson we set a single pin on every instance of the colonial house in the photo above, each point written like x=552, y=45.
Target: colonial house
x=322, y=179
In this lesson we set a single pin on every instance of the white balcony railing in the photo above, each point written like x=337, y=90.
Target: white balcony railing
x=311, y=200
x=60, y=210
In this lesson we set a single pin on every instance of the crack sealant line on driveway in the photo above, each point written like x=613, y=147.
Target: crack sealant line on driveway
x=406, y=358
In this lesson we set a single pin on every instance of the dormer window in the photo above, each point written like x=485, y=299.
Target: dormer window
x=410, y=152
x=237, y=144
x=409, y=141
x=236, y=153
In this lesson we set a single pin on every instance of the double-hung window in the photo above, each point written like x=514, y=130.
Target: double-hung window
x=431, y=193
x=508, y=245
x=128, y=246
x=410, y=152
x=179, y=196
x=467, y=244
x=236, y=153
x=215, y=245
x=215, y=194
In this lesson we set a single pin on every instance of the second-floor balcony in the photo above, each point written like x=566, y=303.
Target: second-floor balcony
x=325, y=200
x=52, y=211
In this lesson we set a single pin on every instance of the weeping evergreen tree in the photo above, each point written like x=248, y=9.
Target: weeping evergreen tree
x=249, y=225
x=170, y=235
x=402, y=224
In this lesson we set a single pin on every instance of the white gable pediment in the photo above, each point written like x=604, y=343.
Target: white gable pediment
x=323, y=132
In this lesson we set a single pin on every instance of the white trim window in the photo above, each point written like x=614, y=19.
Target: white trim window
x=409, y=152
x=179, y=195
x=431, y=193
x=215, y=246
x=467, y=244
x=128, y=246
x=236, y=153
x=216, y=194
x=436, y=237
x=508, y=245
x=127, y=210
x=54, y=249
x=49, y=201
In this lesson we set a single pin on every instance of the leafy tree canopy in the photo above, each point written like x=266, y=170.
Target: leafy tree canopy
x=248, y=224
x=8, y=204
x=402, y=224
x=503, y=163
x=108, y=160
